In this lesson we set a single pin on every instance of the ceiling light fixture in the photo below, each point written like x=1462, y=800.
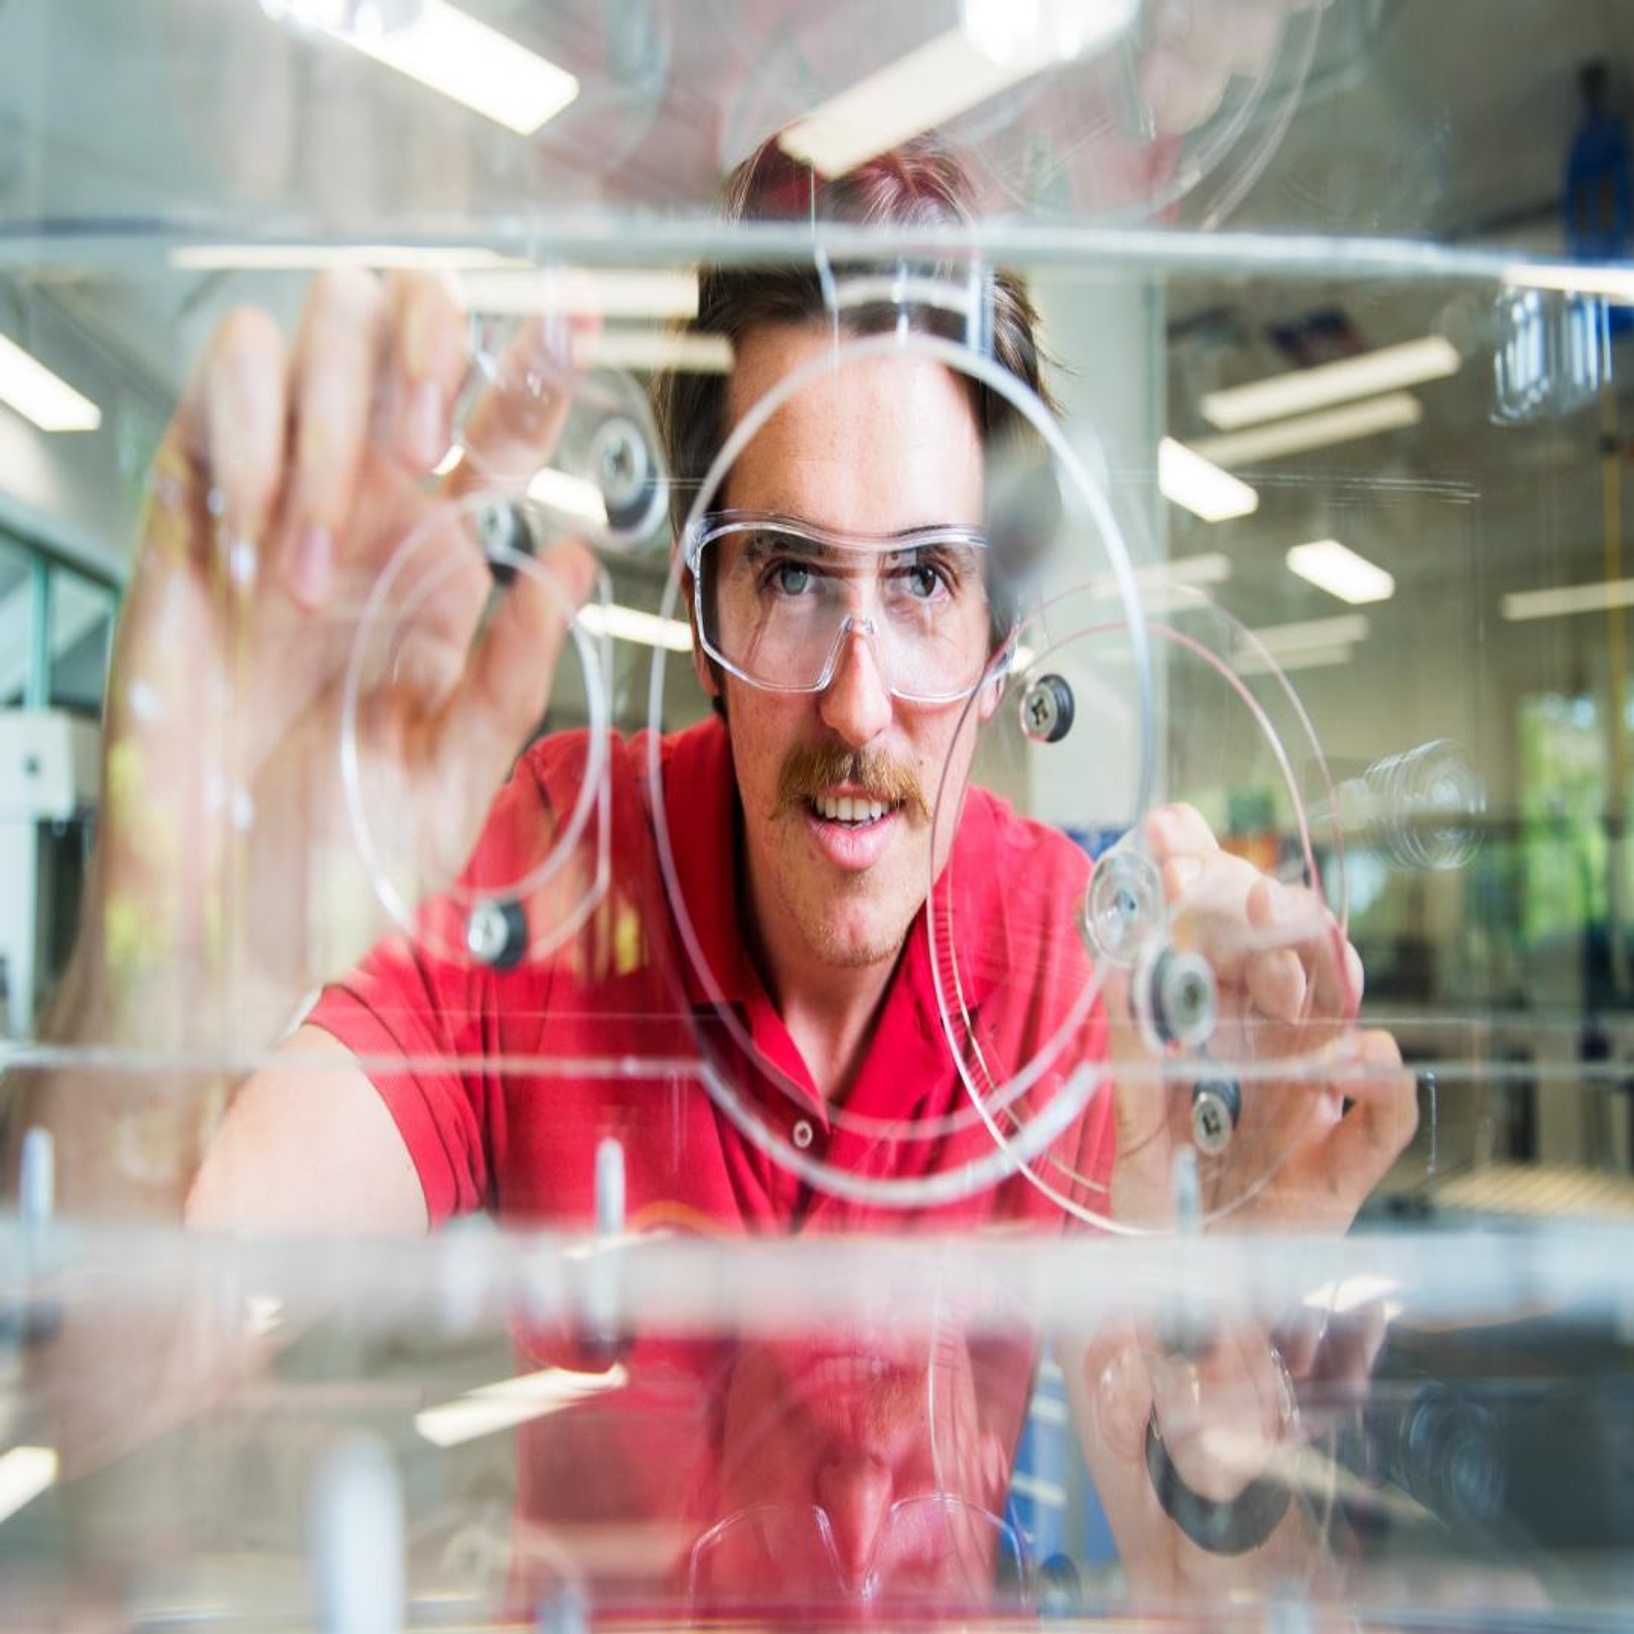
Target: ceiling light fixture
x=631, y=624
x=1337, y=569
x=1196, y=484
x=511, y=1402
x=1389, y=369
x=613, y=292
x=321, y=257
x=998, y=45
x=1249, y=662
x=453, y=54
x=25, y=1472
x=39, y=395
x=572, y=496
x=1283, y=640
x=1603, y=596
x=1338, y=425
x=653, y=351
x=1614, y=284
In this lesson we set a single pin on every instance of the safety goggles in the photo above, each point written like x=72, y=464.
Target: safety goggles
x=777, y=599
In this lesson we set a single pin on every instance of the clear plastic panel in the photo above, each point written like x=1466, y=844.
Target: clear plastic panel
x=1150, y=1141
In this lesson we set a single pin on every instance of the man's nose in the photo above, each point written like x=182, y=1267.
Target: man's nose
x=855, y=1491
x=856, y=703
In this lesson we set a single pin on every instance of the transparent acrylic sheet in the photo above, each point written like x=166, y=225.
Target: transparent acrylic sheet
x=1181, y=967
x=287, y=114
x=601, y=1426
x=227, y=124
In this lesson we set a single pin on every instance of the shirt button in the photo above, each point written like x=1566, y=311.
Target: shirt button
x=802, y=1134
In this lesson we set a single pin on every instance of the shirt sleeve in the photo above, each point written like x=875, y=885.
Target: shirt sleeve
x=424, y=1020
x=405, y=1017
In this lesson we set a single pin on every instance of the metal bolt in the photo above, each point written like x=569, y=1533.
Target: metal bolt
x=1047, y=709
x=624, y=470
x=503, y=533
x=1215, y=1108
x=497, y=933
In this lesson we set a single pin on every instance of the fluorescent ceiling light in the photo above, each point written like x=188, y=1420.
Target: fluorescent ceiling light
x=31, y=388
x=1283, y=640
x=1249, y=662
x=1195, y=571
x=321, y=257
x=1189, y=480
x=653, y=350
x=486, y=71
x=1615, y=284
x=631, y=624
x=25, y=1472
x=577, y=497
x=1600, y=597
x=1340, y=425
x=999, y=44
x=1388, y=369
x=612, y=292
x=1337, y=569
x=511, y=1402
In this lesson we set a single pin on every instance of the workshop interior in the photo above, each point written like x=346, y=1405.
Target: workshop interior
x=1317, y=527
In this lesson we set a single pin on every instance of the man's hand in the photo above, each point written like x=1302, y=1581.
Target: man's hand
x=285, y=484
x=227, y=882
x=1324, y=1110
x=1323, y=1113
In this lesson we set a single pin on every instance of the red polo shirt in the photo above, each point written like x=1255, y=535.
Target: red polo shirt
x=503, y=1084
x=518, y=1075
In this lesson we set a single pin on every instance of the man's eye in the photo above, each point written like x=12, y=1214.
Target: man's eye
x=922, y=580
x=790, y=578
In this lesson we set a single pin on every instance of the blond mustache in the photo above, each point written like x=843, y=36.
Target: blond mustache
x=813, y=768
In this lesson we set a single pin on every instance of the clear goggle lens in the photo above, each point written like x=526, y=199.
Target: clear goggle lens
x=777, y=599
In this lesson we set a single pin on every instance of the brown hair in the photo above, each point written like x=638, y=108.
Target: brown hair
x=919, y=184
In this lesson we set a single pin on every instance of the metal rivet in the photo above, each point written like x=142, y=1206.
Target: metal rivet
x=497, y=933
x=1047, y=709
x=1216, y=1105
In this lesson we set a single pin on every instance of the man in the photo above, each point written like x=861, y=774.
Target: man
x=799, y=820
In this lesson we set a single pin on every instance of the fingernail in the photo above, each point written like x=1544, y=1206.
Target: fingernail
x=1184, y=872
x=417, y=342
x=1284, y=904
x=312, y=566
x=554, y=340
x=422, y=436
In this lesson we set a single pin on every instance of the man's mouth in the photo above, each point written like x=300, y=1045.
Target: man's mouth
x=851, y=810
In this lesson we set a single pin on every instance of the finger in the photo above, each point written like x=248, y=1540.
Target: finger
x=1383, y=1116
x=1180, y=91
x=227, y=438
x=1299, y=1337
x=429, y=359
x=519, y=418
x=332, y=397
x=1240, y=36
x=506, y=686
x=1178, y=829
x=1349, y=1352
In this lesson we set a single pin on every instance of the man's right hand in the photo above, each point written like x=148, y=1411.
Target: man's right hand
x=227, y=882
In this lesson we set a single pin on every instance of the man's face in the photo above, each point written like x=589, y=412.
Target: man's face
x=856, y=1470
x=877, y=447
